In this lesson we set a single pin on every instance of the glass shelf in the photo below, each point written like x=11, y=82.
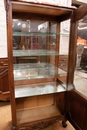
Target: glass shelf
x=38, y=89
x=33, y=65
x=38, y=34
x=34, y=70
x=18, y=53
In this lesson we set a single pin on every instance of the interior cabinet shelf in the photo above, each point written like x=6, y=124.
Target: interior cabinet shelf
x=37, y=52
x=38, y=89
x=39, y=34
x=33, y=65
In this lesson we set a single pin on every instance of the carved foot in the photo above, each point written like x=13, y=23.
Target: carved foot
x=64, y=124
x=13, y=128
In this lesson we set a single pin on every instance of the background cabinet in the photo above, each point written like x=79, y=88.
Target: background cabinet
x=4, y=83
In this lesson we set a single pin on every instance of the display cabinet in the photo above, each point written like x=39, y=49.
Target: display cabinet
x=35, y=76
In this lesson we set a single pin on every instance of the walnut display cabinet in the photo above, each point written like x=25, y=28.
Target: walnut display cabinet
x=38, y=85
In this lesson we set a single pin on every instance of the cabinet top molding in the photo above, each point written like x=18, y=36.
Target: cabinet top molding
x=81, y=12
x=51, y=2
x=40, y=8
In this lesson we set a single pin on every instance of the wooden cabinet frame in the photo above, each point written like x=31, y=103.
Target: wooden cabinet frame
x=18, y=9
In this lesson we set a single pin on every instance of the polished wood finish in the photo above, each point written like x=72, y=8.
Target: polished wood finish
x=19, y=15
x=77, y=110
x=61, y=101
x=72, y=51
x=39, y=9
x=34, y=101
x=81, y=12
x=31, y=59
x=5, y=123
x=4, y=84
x=50, y=11
x=38, y=113
x=10, y=60
x=32, y=81
x=4, y=96
x=76, y=104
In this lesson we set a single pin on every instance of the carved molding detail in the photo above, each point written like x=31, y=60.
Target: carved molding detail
x=39, y=125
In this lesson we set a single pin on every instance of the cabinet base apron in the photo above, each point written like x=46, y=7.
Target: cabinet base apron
x=42, y=124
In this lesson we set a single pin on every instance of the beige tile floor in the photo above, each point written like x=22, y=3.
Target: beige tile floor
x=5, y=119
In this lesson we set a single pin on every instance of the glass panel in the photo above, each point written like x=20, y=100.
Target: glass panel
x=34, y=38
x=80, y=79
x=34, y=70
x=64, y=47
x=32, y=49
x=34, y=54
x=18, y=53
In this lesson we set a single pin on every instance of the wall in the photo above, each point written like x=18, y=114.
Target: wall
x=3, y=31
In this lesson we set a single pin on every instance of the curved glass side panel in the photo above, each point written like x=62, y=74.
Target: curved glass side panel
x=80, y=78
x=64, y=49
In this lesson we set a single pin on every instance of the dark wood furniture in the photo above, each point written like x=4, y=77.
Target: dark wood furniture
x=4, y=82
x=33, y=59
x=77, y=110
x=83, y=63
x=76, y=107
x=39, y=99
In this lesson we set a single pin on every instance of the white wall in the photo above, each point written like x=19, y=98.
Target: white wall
x=3, y=31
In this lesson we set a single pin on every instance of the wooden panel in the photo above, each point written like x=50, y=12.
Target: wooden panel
x=60, y=101
x=4, y=96
x=45, y=99
x=77, y=110
x=38, y=113
x=31, y=59
x=25, y=82
x=81, y=12
x=4, y=83
x=22, y=103
x=39, y=9
x=72, y=51
x=31, y=102
x=33, y=16
x=3, y=62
